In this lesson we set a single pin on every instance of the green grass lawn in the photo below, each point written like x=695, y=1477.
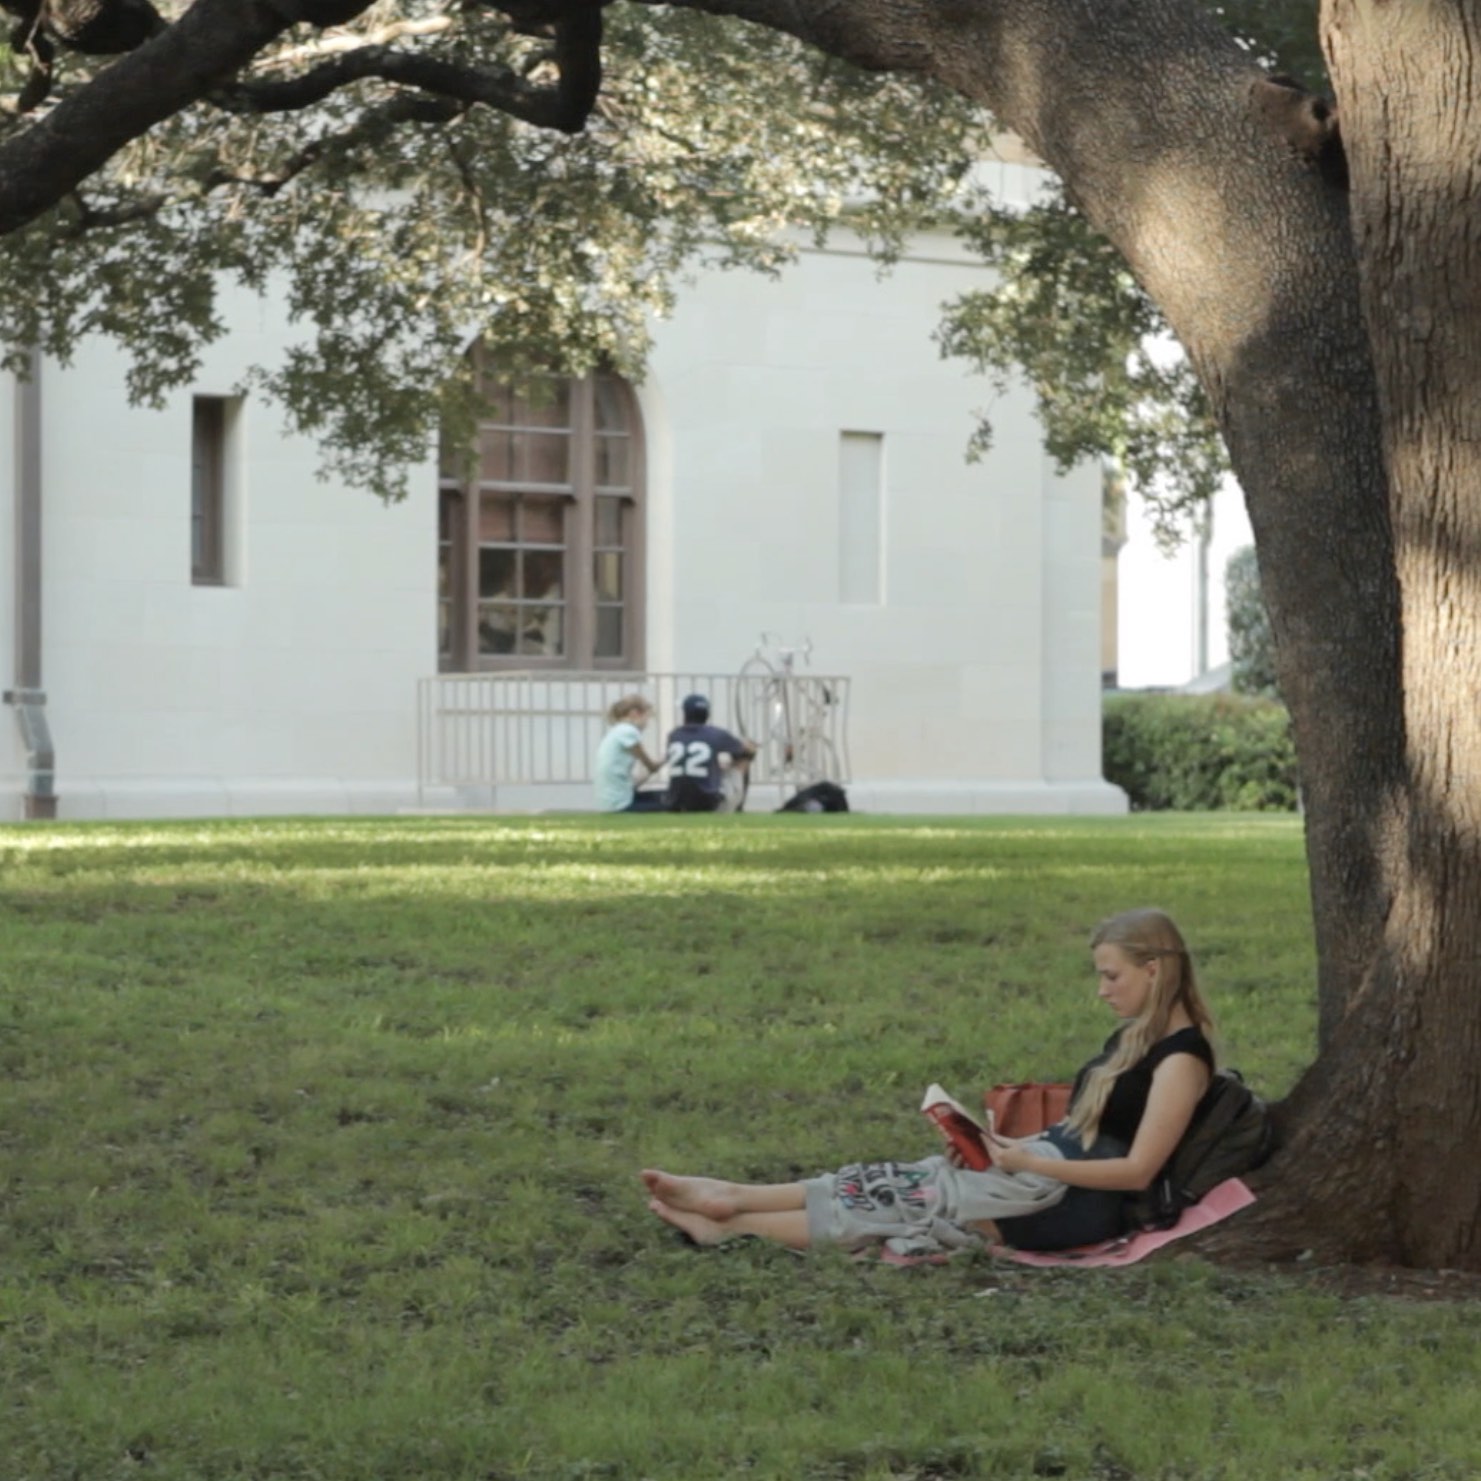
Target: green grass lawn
x=319, y=1143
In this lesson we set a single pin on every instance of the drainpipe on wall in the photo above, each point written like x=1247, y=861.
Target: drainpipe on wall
x=28, y=697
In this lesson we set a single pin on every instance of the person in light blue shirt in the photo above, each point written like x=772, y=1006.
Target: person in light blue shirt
x=621, y=749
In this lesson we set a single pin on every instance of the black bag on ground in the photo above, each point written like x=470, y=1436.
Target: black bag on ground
x=1230, y=1134
x=820, y=797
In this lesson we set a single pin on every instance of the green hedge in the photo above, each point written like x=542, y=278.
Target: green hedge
x=1198, y=752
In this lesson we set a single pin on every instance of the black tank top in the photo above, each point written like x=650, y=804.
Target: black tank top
x=1127, y=1103
x=1089, y=1215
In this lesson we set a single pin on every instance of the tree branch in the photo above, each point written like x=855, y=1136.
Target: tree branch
x=94, y=218
x=564, y=107
x=386, y=35
x=172, y=66
x=561, y=107
x=876, y=35
x=92, y=27
x=370, y=123
x=171, y=70
x=87, y=217
x=320, y=13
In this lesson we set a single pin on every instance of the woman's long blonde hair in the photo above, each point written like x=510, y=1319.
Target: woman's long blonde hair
x=1145, y=936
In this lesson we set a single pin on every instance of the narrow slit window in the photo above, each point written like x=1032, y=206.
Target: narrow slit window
x=861, y=518
x=208, y=491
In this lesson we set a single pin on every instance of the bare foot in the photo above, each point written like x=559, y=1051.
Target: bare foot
x=708, y=1197
x=700, y=1229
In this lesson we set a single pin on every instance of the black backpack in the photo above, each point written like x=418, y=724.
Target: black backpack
x=1231, y=1133
x=820, y=797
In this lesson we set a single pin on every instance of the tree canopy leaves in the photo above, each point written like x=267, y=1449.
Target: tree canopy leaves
x=386, y=176
x=1069, y=316
x=395, y=240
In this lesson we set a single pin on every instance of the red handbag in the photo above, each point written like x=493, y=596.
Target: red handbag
x=1027, y=1108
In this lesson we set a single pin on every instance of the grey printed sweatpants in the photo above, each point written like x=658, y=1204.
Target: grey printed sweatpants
x=925, y=1203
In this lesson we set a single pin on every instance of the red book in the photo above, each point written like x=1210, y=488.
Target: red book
x=962, y=1129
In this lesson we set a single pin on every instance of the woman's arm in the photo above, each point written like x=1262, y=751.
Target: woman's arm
x=1178, y=1084
x=637, y=752
x=953, y=1156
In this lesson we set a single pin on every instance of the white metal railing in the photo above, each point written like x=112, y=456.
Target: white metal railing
x=534, y=727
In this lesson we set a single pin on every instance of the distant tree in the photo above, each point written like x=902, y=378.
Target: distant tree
x=1251, y=641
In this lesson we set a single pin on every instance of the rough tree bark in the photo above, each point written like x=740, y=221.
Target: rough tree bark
x=1336, y=334
x=1410, y=102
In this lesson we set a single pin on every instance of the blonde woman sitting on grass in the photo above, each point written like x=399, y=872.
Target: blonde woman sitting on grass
x=621, y=749
x=1128, y=1110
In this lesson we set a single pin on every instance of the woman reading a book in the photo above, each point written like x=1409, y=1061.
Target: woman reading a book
x=1129, y=1108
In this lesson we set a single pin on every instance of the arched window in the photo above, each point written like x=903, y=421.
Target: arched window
x=540, y=530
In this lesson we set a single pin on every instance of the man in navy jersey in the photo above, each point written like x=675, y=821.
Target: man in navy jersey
x=698, y=779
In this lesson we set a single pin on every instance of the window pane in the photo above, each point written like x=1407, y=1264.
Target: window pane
x=543, y=571
x=544, y=403
x=498, y=398
x=543, y=457
x=542, y=522
x=612, y=461
x=525, y=457
x=609, y=633
x=609, y=575
x=496, y=573
x=540, y=631
x=609, y=521
x=445, y=629
x=495, y=518
x=496, y=627
x=496, y=456
x=611, y=404
x=208, y=489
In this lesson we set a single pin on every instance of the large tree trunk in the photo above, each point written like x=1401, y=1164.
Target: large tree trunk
x=1410, y=103
x=1380, y=1124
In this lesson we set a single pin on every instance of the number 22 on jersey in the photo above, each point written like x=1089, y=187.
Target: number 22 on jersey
x=691, y=758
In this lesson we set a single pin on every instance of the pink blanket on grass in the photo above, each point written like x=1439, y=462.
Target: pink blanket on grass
x=1218, y=1203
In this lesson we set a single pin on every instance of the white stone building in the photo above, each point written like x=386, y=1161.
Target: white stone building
x=194, y=624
